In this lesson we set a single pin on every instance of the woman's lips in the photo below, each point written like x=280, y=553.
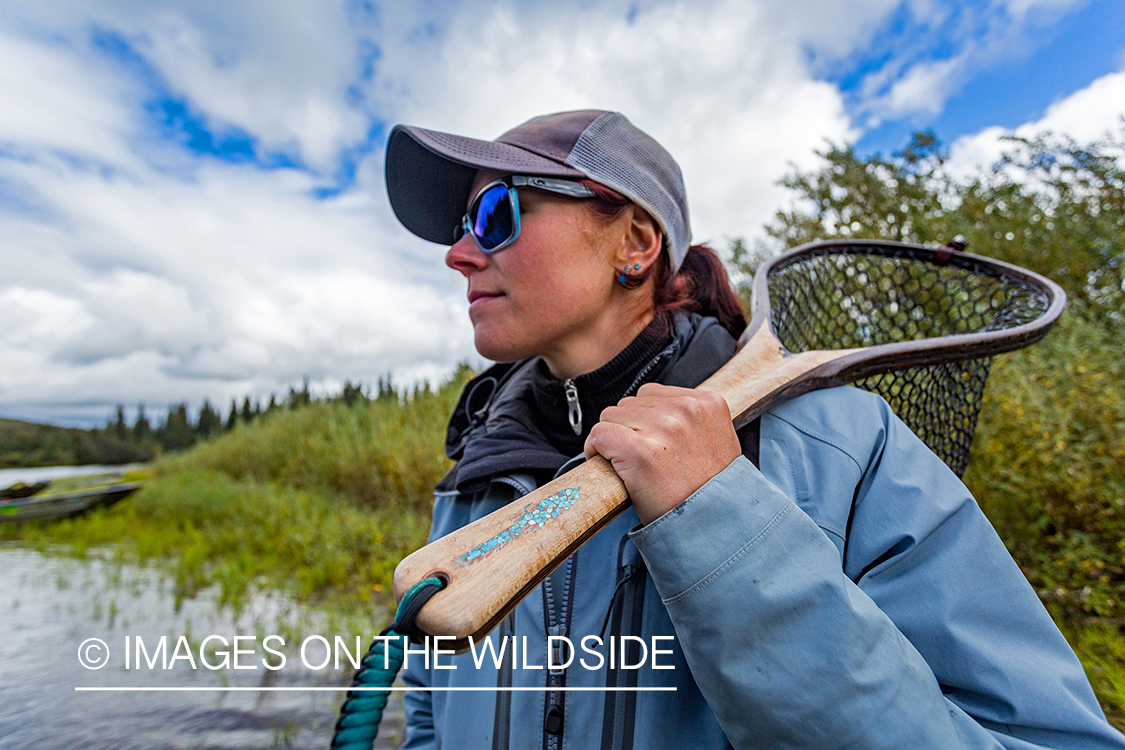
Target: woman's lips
x=477, y=297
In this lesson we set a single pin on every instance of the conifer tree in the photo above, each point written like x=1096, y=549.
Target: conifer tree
x=210, y=421
x=118, y=428
x=176, y=433
x=142, y=429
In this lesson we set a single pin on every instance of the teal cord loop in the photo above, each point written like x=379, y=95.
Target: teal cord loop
x=358, y=725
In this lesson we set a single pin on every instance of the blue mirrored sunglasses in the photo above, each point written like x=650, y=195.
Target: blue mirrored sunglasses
x=493, y=219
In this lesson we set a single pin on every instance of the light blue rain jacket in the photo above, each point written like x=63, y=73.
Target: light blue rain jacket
x=849, y=595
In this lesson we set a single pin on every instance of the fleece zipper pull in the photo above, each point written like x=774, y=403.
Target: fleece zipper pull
x=573, y=409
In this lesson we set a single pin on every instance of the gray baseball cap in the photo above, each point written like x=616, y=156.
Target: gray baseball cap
x=429, y=173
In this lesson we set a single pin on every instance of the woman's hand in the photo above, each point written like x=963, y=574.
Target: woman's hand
x=665, y=443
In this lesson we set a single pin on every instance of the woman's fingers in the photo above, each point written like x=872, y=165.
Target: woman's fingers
x=665, y=443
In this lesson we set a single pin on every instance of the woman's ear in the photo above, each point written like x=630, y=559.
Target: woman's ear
x=642, y=243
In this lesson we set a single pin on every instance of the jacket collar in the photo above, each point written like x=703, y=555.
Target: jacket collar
x=494, y=428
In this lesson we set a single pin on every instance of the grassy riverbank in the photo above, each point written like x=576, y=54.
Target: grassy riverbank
x=321, y=502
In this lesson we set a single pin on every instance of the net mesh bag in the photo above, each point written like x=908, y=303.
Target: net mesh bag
x=848, y=296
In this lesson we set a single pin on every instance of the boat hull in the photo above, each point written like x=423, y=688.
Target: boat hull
x=64, y=504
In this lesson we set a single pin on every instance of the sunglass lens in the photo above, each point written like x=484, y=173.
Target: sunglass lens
x=492, y=219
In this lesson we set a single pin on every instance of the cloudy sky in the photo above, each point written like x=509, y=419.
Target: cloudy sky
x=191, y=195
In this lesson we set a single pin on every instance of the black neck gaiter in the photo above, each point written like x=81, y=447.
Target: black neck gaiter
x=604, y=387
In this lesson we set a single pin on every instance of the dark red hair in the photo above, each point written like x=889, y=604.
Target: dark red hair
x=701, y=285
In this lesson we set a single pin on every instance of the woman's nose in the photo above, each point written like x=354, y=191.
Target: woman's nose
x=465, y=256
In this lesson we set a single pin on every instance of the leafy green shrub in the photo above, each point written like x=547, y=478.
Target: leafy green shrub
x=1101, y=649
x=1047, y=463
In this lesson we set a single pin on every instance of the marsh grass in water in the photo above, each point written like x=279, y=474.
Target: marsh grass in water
x=320, y=503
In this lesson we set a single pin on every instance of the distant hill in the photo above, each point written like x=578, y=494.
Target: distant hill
x=31, y=444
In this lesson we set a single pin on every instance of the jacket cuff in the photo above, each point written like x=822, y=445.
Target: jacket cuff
x=696, y=538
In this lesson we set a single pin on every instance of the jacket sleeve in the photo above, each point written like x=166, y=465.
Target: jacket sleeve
x=934, y=640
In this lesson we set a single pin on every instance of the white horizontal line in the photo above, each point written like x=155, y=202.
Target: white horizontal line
x=366, y=689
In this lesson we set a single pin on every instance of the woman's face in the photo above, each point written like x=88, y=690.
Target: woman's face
x=552, y=292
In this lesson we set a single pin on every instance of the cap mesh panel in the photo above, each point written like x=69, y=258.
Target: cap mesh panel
x=620, y=156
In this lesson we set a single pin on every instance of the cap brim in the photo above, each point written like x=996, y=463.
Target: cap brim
x=429, y=175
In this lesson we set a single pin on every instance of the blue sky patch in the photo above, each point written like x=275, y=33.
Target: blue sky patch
x=192, y=131
x=174, y=120
x=19, y=200
x=350, y=159
x=1062, y=58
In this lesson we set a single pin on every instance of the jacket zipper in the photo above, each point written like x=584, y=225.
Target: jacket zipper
x=502, y=718
x=573, y=408
x=554, y=714
x=621, y=706
x=668, y=351
x=556, y=609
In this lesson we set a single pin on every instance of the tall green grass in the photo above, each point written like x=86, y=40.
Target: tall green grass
x=379, y=454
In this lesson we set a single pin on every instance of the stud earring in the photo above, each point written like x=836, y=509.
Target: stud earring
x=627, y=280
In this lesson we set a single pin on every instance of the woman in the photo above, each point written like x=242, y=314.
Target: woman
x=849, y=593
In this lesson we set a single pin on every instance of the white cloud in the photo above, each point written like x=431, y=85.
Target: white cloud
x=1086, y=115
x=278, y=70
x=922, y=89
x=724, y=86
x=136, y=270
x=53, y=100
x=1021, y=8
x=133, y=287
x=33, y=317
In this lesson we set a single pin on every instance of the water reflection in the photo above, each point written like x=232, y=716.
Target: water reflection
x=49, y=606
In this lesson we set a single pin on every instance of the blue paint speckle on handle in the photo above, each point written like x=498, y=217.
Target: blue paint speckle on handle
x=534, y=516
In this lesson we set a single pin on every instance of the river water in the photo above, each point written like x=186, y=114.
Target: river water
x=51, y=606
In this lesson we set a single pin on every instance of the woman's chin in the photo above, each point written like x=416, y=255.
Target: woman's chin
x=496, y=347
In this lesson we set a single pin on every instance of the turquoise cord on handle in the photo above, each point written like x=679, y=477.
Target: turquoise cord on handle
x=358, y=725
